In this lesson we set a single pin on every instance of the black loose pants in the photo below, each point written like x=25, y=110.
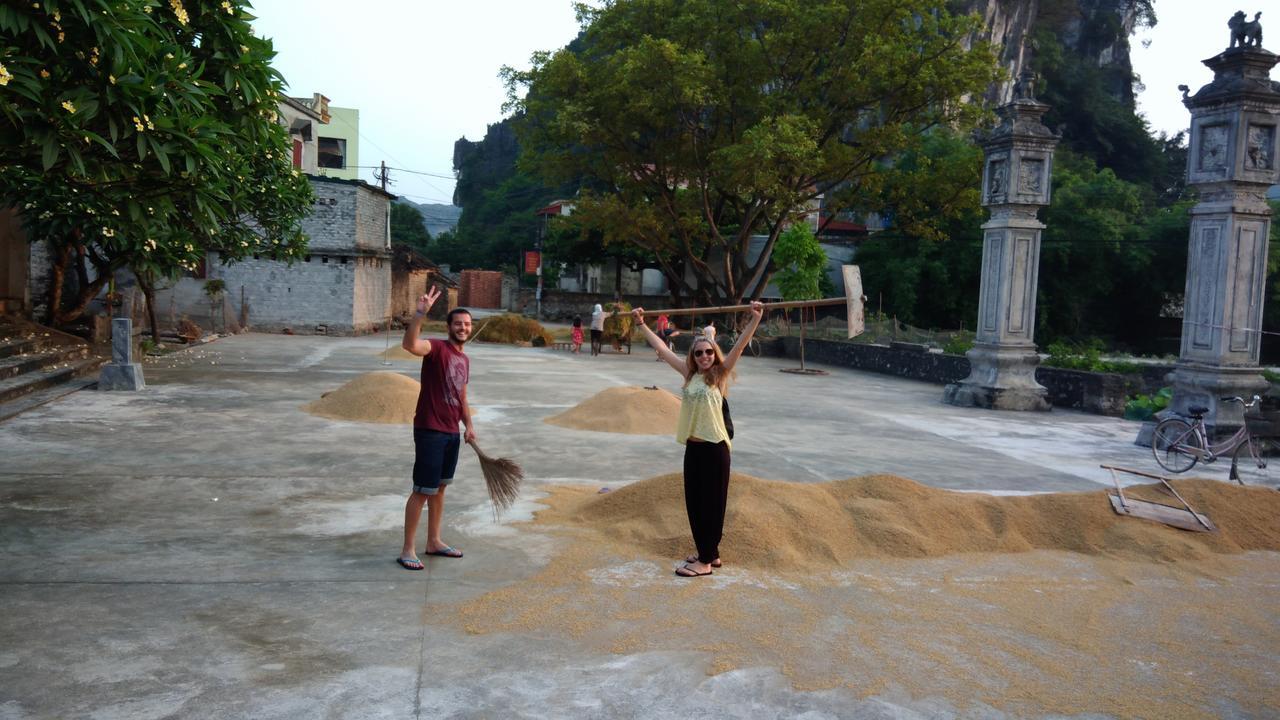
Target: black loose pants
x=706, y=493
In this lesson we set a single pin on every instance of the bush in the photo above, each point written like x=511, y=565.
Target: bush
x=958, y=344
x=1085, y=356
x=1142, y=407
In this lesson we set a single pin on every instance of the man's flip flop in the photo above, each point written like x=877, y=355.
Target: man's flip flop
x=690, y=572
x=410, y=564
x=446, y=552
x=694, y=559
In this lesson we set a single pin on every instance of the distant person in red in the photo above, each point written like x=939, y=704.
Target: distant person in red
x=442, y=404
x=577, y=334
x=665, y=331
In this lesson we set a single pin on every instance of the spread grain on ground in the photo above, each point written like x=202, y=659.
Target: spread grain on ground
x=785, y=526
x=630, y=409
x=882, y=586
x=376, y=397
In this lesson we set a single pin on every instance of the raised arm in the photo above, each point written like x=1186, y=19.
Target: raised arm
x=658, y=343
x=412, y=342
x=757, y=311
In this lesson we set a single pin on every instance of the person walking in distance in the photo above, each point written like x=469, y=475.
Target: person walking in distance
x=577, y=334
x=702, y=430
x=442, y=404
x=666, y=331
x=597, y=328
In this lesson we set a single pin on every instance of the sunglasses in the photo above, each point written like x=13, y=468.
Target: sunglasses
x=700, y=353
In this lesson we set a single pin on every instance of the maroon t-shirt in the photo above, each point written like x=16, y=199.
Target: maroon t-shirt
x=445, y=372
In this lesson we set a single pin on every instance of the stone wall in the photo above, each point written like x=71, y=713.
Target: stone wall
x=1099, y=393
x=302, y=297
x=371, y=220
x=331, y=224
x=39, y=274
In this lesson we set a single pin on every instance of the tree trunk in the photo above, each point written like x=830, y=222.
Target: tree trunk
x=149, y=292
x=802, y=339
x=82, y=273
x=57, y=276
x=617, y=278
x=87, y=294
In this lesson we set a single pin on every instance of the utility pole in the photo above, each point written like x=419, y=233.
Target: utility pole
x=537, y=247
x=381, y=176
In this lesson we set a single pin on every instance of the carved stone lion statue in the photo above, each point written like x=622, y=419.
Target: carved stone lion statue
x=1245, y=33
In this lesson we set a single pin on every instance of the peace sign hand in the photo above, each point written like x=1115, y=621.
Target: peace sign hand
x=426, y=301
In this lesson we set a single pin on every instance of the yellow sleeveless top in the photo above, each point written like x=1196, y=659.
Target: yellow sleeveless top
x=701, y=415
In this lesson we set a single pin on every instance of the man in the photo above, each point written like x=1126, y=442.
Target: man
x=442, y=404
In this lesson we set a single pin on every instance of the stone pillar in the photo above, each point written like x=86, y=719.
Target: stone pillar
x=1232, y=161
x=122, y=373
x=1015, y=185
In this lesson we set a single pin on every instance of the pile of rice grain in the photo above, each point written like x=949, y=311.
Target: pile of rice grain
x=786, y=526
x=629, y=409
x=397, y=352
x=376, y=397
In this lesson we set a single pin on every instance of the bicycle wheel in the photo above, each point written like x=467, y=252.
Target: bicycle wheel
x=1251, y=462
x=1175, y=445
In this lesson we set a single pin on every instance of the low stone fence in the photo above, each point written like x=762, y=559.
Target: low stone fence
x=1100, y=393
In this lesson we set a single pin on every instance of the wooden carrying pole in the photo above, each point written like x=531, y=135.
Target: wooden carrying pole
x=853, y=300
x=785, y=305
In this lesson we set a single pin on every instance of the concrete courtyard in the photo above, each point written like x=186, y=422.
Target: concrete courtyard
x=206, y=549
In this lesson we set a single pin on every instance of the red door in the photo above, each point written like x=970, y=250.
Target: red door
x=297, y=153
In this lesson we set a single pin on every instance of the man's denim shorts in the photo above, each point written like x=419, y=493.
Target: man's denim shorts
x=435, y=457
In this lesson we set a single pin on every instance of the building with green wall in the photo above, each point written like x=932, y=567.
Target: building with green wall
x=338, y=145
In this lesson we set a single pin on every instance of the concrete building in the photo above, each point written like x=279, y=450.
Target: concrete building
x=338, y=145
x=343, y=286
x=303, y=120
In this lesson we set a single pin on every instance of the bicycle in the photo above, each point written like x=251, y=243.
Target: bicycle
x=1178, y=445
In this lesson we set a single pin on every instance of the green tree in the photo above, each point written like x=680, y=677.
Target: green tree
x=698, y=124
x=924, y=268
x=801, y=263
x=1100, y=273
x=144, y=134
x=407, y=228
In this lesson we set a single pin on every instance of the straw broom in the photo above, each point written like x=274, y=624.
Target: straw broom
x=502, y=478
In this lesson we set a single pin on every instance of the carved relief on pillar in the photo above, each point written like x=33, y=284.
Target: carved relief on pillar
x=1022, y=285
x=997, y=186
x=1205, y=259
x=993, y=259
x=1260, y=147
x=1212, y=154
x=1245, y=312
x=1031, y=177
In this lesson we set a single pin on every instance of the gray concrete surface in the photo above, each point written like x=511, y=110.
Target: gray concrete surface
x=205, y=549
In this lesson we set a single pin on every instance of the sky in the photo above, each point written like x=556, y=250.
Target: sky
x=424, y=73
x=1186, y=32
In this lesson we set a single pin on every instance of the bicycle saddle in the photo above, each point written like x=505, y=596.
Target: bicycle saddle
x=1197, y=411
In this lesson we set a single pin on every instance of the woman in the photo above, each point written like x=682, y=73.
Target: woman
x=597, y=328
x=701, y=429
